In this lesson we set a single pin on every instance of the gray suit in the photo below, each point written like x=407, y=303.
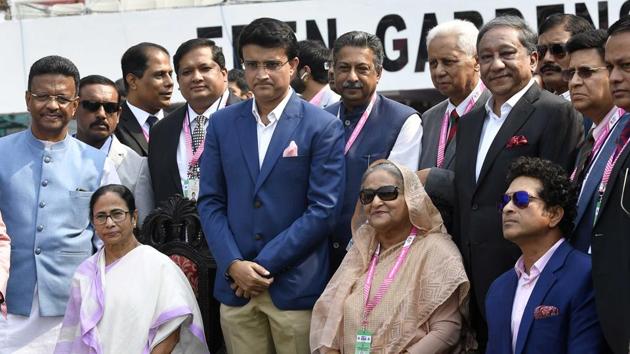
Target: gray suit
x=133, y=171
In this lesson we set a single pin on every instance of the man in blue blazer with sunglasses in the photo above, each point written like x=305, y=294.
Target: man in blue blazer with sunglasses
x=546, y=304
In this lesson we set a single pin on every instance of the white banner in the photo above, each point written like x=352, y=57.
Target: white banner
x=96, y=42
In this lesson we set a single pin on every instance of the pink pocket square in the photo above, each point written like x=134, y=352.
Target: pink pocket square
x=516, y=141
x=543, y=311
x=291, y=150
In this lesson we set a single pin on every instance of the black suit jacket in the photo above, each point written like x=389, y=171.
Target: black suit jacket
x=163, y=144
x=130, y=133
x=553, y=130
x=610, y=247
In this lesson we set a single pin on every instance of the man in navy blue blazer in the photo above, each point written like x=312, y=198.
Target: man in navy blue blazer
x=546, y=303
x=272, y=177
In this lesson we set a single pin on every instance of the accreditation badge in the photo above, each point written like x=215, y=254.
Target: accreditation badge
x=190, y=187
x=364, y=342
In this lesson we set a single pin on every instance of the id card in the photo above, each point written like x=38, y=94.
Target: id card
x=190, y=187
x=364, y=342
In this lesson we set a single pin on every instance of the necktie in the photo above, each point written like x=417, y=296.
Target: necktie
x=454, y=119
x=584, y=159
x=151, y=120
x=197, y=139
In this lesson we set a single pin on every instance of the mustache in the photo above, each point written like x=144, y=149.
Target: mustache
x=99, y=122
x=352, y=85
x=550, y=67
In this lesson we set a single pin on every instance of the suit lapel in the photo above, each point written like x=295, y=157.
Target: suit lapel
x=504, y=312
x=513, y=122
x=130, y=124
x=469, y=142
x=117, y=152
x=287, y=123
x=246, y=130
x=171, y=143
x=543, y=285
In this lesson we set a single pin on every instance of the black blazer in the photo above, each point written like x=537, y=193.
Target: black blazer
x=130, y=133
x=163, y=144
x=610, y=247
x=553, y=130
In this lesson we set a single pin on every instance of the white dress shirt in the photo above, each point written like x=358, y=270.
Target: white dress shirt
x=493, y=123
x=141, y=117
x=526, y=284
x=182, y=154
x=265, y=132
x=407, y=148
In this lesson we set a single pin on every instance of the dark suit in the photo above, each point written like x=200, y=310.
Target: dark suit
x=163, y=157
x=611, y=257
x=565, y=283
x=129, y=132
x=553, y=129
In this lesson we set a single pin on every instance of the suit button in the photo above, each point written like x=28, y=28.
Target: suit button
x=475, y=206
x=47, y=159
x=258, y=237
x=38, y=250
x=257, y=204
x=44, y=183
x=335, y=245
x=40, y=228
x=347, y=123
x=42, y=204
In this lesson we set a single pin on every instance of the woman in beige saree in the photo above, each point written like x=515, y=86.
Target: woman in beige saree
x=421, y=311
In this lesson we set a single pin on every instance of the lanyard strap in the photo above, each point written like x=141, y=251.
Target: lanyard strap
x=317, y=99
x=382, y=290
x=445, y=123
x=360, y=124
x=609, y=167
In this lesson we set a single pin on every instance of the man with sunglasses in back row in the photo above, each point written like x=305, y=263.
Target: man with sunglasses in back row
x=97, y=117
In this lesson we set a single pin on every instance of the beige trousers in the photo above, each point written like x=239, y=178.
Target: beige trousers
x=260, y=327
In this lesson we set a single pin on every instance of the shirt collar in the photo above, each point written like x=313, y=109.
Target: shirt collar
x=540, y=264
x=142, y=116
x=511, y=102
x=276, y=113
x=215, y=106
x=599, y=128
x=107, y=145
x=566, y=96
x=461, y=108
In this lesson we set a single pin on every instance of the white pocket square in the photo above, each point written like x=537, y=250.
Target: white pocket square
x=291, y=150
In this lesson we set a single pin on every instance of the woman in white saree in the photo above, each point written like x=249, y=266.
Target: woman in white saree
x=128, y=297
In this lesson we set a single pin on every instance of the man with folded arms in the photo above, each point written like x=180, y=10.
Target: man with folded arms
x=546, y=304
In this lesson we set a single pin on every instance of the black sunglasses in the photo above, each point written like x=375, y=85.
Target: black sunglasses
x=385, y=193
x=520, y=198
x=583, y=72
x=109, y=107
x=558, y=50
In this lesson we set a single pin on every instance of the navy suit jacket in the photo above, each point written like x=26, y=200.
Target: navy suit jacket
x=279, y=215
x=565, y=283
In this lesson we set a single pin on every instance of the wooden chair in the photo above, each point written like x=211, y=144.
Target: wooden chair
x=174, y=229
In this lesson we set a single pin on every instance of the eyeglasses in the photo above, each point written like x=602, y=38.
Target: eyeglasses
x=62, y=101
x=93, y=106
x=117, y=216
x=384, y=193
x=269, y=65
x=558, y=50
x=583, y=72
x=520, y=198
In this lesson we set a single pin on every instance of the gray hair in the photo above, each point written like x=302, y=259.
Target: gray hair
x=360, y=39
x=526, y=35
x=388, y=167
x=465, y=31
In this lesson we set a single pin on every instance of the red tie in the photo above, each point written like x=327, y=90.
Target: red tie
x=454, y=118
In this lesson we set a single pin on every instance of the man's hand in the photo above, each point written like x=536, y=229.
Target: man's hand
x=423, y=175
x=250, y=279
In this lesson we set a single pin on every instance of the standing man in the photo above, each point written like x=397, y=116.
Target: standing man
x=553, y=35
x=177, y=141
x=519, y=119
x=97, y=118
x=46, y=181
x=590, y=94
x=147, y=71
x=546, y=303
x=454, y=67
x=610, y=242
x=375, y=126
x=272, y=176
x=311, y=81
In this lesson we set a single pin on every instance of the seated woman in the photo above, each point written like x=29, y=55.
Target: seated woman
x=403, y=261
x=128, y=297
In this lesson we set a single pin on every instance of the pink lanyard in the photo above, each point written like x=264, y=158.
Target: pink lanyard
x=360, y=124
x=445, y=124
x=382, y=290
x=317, y=99
x=146, y=135
x=602, y=138
x=609, y=167
x=194, y=158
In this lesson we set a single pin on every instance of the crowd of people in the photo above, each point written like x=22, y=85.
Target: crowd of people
x=341, y=221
